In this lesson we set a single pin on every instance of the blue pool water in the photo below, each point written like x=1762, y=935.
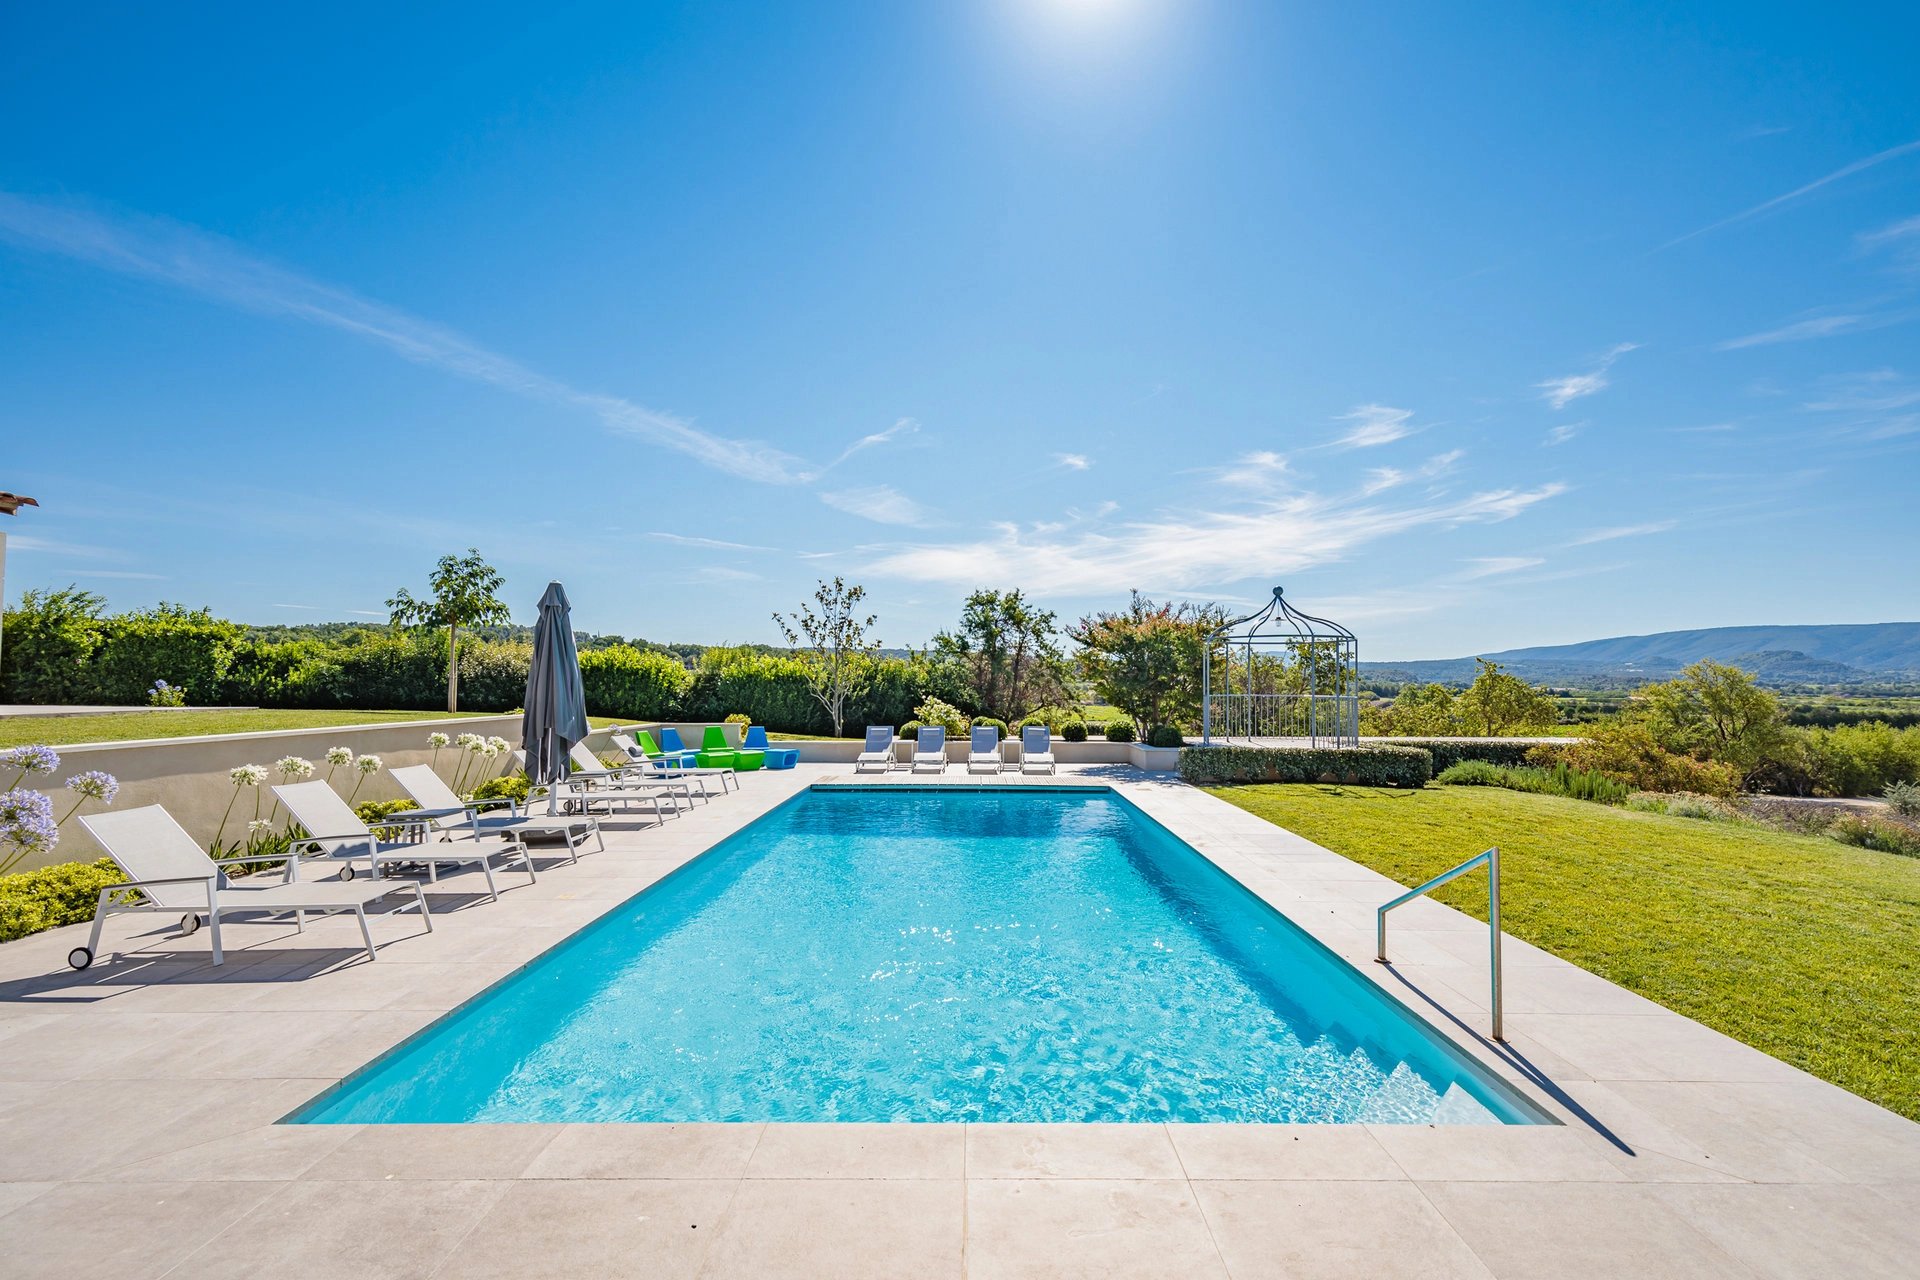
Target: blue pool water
x=936, y=955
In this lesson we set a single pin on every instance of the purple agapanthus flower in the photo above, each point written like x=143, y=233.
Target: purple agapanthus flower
x=95, y=784
x=26, y=824
x=34, y=759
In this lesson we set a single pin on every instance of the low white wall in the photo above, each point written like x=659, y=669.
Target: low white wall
x=1093, y=751
x=189, y=775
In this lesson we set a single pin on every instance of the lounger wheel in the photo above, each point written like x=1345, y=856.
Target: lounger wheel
x=189, y=924
x=80, y=957
x=346, y=872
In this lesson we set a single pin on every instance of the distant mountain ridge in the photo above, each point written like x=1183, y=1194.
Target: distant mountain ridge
x=1839, y=653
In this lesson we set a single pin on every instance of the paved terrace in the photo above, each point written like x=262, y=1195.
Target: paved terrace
x=138, y=1101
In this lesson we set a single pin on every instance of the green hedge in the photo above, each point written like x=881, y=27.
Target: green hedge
x=49, y=897
x=633, y=684
x=1500, y=751
x=1394, y=766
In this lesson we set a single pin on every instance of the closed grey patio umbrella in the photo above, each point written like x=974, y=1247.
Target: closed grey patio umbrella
x=556, y=714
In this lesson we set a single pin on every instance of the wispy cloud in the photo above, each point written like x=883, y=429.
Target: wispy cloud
x=1623, y=531
x=1901, y=239
x=904, y=427
x=1260, y=469
x=1799, y=331
x=1441, y=464
x=1564, y=432
x=880, y=503
x=1845, y=171
x=1875, y=391
x=1561, y=392
x=167, y=252
x=1375, y=424
x=1492, y=566
x=711, y=544
x=1711, y=428
x=1191, y=554
x=303, y=608
x=1074, y=461
x=1380, y=479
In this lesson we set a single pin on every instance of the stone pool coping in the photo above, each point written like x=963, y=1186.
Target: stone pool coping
x=138, y=1101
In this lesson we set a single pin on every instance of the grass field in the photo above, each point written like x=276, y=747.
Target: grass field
x=1802, y=947
x=130, y=726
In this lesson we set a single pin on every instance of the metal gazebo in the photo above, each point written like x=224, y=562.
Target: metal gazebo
x=1280, y=675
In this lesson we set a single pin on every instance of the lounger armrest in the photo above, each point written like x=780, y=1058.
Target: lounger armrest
x=205, y=881
x=494, y=802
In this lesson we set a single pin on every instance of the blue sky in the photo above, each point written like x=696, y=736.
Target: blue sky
x=1477, y=327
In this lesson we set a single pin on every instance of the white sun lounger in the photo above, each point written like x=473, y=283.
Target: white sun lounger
x=173, y=874
x=878, y=753
x=601, y=788
x=337, y=832
x=447, y=812
x=930, y=753
x=635, y=778
x=1036, y=749
x=661, y=767
x=985, y=750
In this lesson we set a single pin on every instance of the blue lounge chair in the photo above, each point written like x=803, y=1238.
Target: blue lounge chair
x=777, y=757
x=672, y=747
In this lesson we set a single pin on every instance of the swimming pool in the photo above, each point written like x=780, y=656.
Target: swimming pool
x=936, y=954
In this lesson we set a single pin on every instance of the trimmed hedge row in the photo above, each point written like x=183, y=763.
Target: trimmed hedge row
x=1504, y=752
x=1395, y=766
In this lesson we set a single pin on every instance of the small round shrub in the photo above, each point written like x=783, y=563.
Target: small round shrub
x=1033, y=722
x=910, y=729
x=739, y=718
x=1074, y=731
x=989, y=722
x=1165, y=735
x=1686, y=804
x=1119, y=731
x=512, y=786
x=1904, y=798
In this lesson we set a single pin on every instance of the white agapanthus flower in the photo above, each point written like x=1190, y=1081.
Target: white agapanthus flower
x=466, y=740
x=367, y=764
x=339, y=755
x=500, y=746
x=248, y=775
x=292, y=767
x=259, y=827
x=437, y=740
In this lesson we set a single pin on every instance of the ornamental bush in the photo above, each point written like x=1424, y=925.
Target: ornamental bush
x=1356, y=766
x=989, y=722
x=1073, y=731
x=633, y=684
x=49, y=897
x=1490, y=750
x=1120, y=731
x=1163, y=735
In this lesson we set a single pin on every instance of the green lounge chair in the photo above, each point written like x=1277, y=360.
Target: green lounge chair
x=714, y=752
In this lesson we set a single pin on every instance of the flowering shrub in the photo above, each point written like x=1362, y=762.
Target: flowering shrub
x=26, y=826
x=163, y=694
x=936, y=712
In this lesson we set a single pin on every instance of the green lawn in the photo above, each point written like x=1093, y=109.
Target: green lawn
x=1802, y=947
x=57, y=731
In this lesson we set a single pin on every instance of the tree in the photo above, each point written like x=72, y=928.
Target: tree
x=1147, y=661
x=837, y=650
x=463, y=596
x=1422, y=711
x=1006, y=651
x=1497, y=704
x=1715, y=712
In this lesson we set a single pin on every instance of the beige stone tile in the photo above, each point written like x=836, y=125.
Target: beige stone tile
x=1660, y=1046
x=1789, y=1231
x=1749, y=1131
x=657, y=1229
x=141, y=1231
x=899, y=1229
x=1101, y=1230
x=1270, y=1152
x=15, y=1194
x=53, y=1132
x=267, y=1153
x=433, y=1152
x=349, y=1230
x=1494, y=1153
x=1070, y=1151
x=860, y=1151
x=1545, y=1230
x=647, y=1151
x=1376, y=1230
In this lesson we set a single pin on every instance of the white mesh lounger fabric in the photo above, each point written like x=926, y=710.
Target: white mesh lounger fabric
x=456, y=816
x=338, y=832
x=172, y=873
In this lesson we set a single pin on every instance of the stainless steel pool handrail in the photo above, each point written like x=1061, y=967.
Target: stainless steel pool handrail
x=1491, y=858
